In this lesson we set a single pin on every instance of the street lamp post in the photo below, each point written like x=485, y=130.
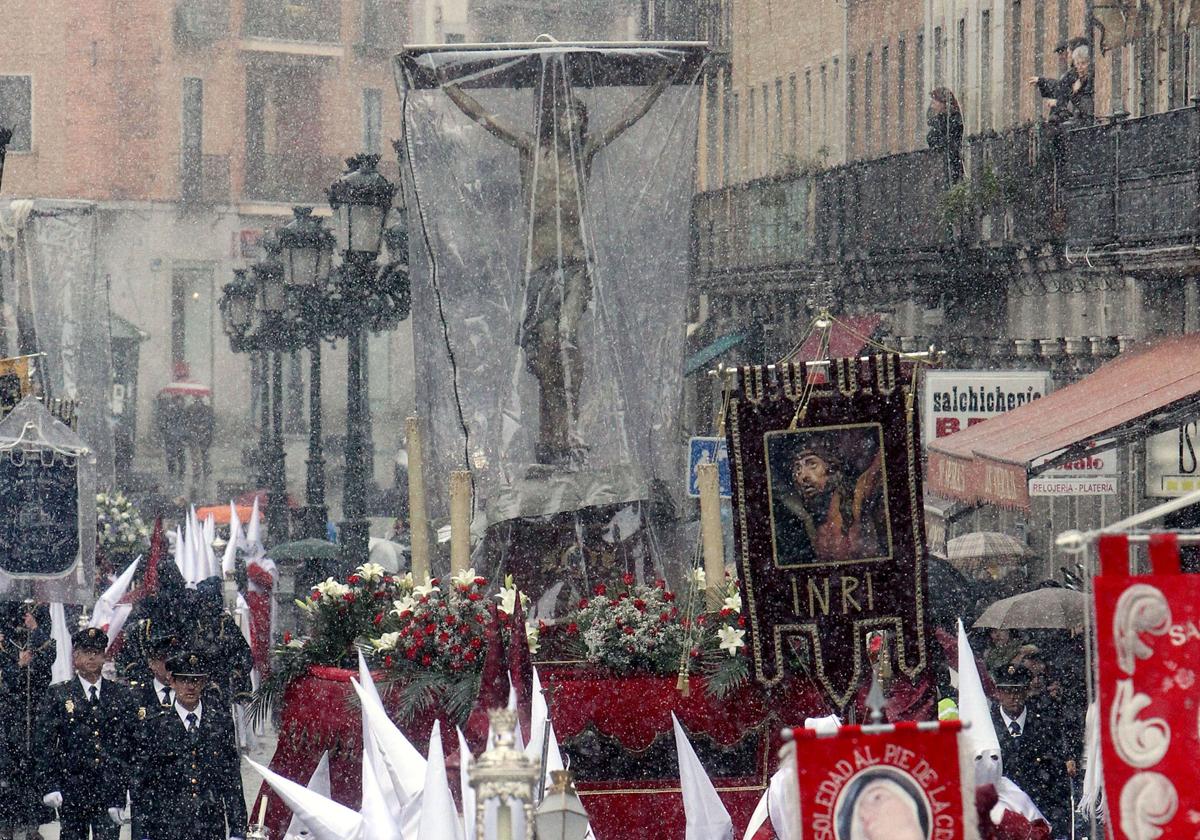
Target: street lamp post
x=274, y=337
x=307, y=248
x=360, y=199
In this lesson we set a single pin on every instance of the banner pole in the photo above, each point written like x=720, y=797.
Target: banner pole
x=708, y=481
x=418, y=516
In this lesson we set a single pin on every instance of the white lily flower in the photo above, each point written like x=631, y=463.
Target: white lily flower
x=424, y=589
x=330, y=588
x=698, y=578
x=370, y=572
x=531, y=635
x=387, y=641
x=733, y=602
x=507, y=596
x=463, y=578
x=731, y=639
x=406, y=604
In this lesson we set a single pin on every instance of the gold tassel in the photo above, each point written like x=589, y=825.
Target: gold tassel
x=683, y=684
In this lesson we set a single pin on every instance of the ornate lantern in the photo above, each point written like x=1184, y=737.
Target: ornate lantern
x=561, y=815
x=306, y=248
x=361, y=199
x=505, y=774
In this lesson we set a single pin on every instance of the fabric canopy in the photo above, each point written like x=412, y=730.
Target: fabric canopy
x=1133, y=396
x=848, y=336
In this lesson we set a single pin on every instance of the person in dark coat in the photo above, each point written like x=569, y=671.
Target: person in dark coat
x=171, y=418
x=1037, y=756
x=188, y=781
x=85, y=734
x=946, y=132
x=154, y=690
x=1059, y=90
x=214, y=634
x=1081, y=95
x=201, y=424
x=26, y=661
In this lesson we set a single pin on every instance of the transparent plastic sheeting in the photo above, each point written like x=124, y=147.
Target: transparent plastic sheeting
x=548, y=192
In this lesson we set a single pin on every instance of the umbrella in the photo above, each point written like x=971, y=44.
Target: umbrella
x=1049, y=608
x=183, y=388
x=386, y=553
x=951, y=593
x=972, y=552
x=222, y=514
x=309, y=549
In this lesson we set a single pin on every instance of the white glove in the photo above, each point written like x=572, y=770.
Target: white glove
x=115, y=815
x=53, y=799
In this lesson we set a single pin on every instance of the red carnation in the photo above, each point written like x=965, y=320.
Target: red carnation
x=316, y=595
x=477, y=643
x=349, y=598
x=572, y=628
x=426, y=660
x=474, y=596
x=480, y=581
x=668, y=596
x=354, y=579
x=287, y=637
x=600, y=589
x=378, y=619
x=639, y=604
x=583, y=603
x=695, y=652
x=726, y=612
x=664, y=617
x=435, y=582
x=627, y=579
x=379, y=596
x=451, y=620
x=741, y=621
x=660, y=584
x=456, y=649
x=431, y=628
x=469, y=656
x=443, y=637
x=387, y=662
x=629, y=631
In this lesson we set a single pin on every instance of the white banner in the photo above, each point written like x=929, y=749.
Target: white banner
x=1173, y=462
x=1089, y=475
x=956, y=399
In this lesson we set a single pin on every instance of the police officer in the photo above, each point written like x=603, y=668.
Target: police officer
x=84, y=738
x=152, y=691
x=188, y=781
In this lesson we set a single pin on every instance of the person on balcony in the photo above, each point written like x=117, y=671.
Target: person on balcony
x=946, y=132
x=1081, y=98
x=1058, y=91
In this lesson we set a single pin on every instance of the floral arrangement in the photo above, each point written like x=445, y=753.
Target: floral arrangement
x=341, y=616
x=645, y=628
x=119, y=528
x=434, y=641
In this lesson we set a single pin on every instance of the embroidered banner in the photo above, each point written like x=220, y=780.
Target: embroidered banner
x=1148, y=658
x=901, y=782
x=828, y=517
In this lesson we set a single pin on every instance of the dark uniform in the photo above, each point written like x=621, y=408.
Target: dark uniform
x=1035, y=751
x=188, y=784
x=147, y=692
x=83, y=749
x=24, y=690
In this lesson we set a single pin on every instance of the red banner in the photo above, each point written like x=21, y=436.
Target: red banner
x=899, y=782
x=1148, y=657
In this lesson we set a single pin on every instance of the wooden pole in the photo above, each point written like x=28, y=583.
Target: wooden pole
x=418, y=516
x=710, y=531
x=460, y=521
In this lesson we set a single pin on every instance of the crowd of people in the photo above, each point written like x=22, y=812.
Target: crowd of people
x=144, y=736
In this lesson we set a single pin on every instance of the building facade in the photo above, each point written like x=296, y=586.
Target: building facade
x=194, y=126
x=1050, y=256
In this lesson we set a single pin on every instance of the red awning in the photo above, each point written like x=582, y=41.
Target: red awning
x=847, y=337
x=1135, y=395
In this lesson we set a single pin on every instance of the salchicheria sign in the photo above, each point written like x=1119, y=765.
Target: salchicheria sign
x=957, y=399
x=828, y=515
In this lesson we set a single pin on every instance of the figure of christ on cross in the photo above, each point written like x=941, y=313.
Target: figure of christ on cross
x=555, y=164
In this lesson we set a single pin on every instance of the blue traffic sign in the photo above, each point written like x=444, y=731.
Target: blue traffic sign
x=706, y=450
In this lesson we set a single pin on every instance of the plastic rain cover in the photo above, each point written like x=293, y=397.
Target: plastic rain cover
x=548, y=190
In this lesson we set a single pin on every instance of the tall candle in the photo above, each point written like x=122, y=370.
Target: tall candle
x=460, y=521
x=710, y=533
x=262, y=812
x=418, y=517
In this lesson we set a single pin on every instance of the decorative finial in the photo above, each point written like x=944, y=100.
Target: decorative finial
x=876, y=700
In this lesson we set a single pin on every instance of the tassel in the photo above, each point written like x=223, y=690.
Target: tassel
x=683, y=684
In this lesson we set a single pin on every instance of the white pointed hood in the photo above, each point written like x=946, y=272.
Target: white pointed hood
x=181, y=553
x=318, y=783
x=212, y=564
x=254, y=543
x=439, y=816
x=229, y=558
x=325, y=819
x=404, y=764
x=62, y=669
x=109, y=612
x=465, y=760
x=705, y=814
x=976, y=714
x=392, y=794
x=379, y=822
x=783, y=797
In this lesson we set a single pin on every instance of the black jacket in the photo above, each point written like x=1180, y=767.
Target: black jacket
x=1060, y=91
x=85, y=751
x=188, y=786
x=946, y=135
x=1036, y=761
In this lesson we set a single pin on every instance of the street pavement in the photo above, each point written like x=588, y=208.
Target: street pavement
x=262, y=753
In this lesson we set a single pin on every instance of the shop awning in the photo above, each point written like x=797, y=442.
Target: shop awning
x=702, y=357
x=848, y=336
x=1134, y=396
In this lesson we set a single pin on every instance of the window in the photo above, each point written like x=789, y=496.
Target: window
x=1117, y=78
x=1015, y=85
x=16, y=110
x=808, y=112
x=868, y=101
x=824, y=106
x=1063, y=21
x=372, y=119
x=711, y=115
x=191, y=170
x=851, y=106
x=735, y=150
x=985, y=70
x=901, y=92
x=766, y=133
x=884, y=83
x=960, y=66
x=939, y=49
x=751, y=133
x=792, y=107
x=728, y=131
x=1039, y=37
x=919, y=85
x=779, y=121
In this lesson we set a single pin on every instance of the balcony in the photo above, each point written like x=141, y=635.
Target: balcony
x=204, y=181
x=1132, y=184
x=288, y=180
x=296, y=21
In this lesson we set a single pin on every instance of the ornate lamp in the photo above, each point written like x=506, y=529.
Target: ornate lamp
x=306, y=249
x=361, y=198
x=505, y=774
x=561, y=815
x=237, y=305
